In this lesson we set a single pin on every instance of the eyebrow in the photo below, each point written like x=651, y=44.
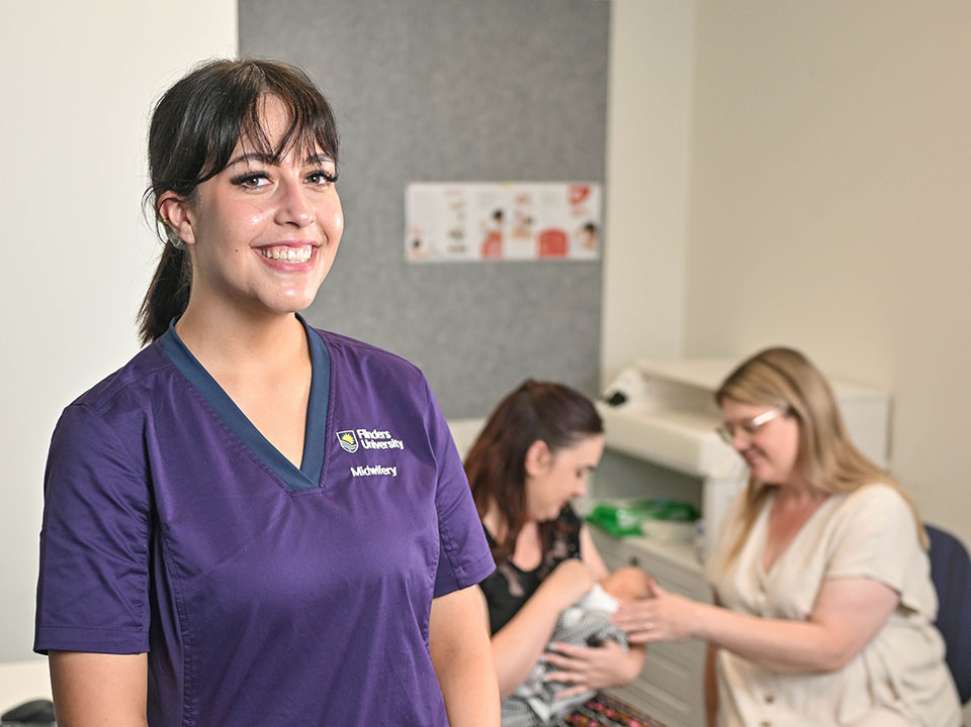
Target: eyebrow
x=271, y=159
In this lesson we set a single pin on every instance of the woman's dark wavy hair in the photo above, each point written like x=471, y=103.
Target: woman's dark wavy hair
x=496, y=463
x=195, y=128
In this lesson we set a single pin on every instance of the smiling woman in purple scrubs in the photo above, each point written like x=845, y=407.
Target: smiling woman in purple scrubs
x=254, y=521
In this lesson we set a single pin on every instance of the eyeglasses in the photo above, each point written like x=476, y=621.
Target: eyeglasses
x=751, y=427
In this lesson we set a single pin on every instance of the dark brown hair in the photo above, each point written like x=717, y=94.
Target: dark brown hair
x=195, y=128
x=496, y=463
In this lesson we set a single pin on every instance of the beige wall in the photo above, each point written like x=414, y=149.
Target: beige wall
x=648, y=153
x=829, y=209
x=80, y=82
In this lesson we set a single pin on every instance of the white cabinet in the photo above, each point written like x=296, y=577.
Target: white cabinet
x=670, y=686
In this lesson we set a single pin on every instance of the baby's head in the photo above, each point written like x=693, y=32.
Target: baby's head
x=628, y=584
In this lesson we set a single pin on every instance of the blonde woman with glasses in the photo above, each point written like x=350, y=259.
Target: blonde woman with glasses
x=825, y=604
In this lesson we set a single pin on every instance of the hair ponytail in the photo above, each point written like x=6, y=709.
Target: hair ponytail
x=168, y=293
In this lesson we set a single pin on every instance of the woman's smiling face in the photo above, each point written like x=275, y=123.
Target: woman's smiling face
x=772, y=449
x=263, y=233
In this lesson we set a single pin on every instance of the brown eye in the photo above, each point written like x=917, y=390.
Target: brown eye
x=254, y=180
x=322, y=177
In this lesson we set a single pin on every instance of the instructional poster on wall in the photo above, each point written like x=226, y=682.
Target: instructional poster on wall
x=468, y=222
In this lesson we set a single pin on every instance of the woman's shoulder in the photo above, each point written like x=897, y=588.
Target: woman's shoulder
x=368, y=358
x=871, y=511
x=133, y=386
x=106, y=423
x=873, y=498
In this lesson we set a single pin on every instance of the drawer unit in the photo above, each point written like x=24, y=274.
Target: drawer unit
x=671, y=685
x=660, y=705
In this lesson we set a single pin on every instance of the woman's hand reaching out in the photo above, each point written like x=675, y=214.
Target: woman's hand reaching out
x=663, y=616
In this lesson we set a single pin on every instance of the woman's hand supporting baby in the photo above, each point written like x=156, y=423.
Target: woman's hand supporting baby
x=592, y=667
x=519, y=644
x=610, y=665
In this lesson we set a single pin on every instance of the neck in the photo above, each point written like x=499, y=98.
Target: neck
x=799, y=491
x=496, y=523
x=233, y=338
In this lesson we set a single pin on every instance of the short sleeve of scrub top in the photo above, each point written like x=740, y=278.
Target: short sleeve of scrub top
x=263, y=593
x=461, y=561
x=96, y=532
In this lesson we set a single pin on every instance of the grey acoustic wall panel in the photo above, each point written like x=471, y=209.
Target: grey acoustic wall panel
x=454, y=90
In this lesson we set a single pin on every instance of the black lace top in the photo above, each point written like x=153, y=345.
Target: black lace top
x=509, y=587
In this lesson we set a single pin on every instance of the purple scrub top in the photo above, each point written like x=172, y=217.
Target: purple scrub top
x=264, y=594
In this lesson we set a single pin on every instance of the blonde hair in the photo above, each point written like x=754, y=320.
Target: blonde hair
x=827, y=459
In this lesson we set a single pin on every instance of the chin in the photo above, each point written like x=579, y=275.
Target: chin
x=290, y=302
x=766, y=475
x=761, y=472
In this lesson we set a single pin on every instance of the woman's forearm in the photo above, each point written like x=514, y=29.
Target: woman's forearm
x=847, y=614
x=462, y=657
x=99, y=690
x=468, y=684
x=780, y=645
x=517, y=646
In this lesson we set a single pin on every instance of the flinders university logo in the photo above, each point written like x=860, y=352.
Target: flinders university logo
x=352, y=440
x=348, y=441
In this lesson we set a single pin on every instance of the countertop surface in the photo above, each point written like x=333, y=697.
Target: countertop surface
x=21, y=681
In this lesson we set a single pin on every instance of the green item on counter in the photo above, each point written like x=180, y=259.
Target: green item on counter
x=624, y=518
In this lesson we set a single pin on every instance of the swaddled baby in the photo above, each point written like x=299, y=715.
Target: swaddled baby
x=585, y=623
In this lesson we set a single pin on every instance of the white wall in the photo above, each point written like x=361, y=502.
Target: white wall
x=81, y=79
x=790, y=172
x=648, y=155
x=831, y=185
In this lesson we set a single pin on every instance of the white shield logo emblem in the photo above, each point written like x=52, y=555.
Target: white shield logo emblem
x=348, y=441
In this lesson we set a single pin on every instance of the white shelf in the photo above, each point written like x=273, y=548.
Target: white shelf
x=708, y=373
x=682, y=440
x=680, y=555
x=690, y=384
x=700, y=373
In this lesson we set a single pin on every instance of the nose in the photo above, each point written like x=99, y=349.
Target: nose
x=740, y=440
x=294, y=209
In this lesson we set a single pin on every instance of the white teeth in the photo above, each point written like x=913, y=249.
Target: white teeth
x=288, y=254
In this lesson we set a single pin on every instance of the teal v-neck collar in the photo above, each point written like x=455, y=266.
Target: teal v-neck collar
x=308, y=475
